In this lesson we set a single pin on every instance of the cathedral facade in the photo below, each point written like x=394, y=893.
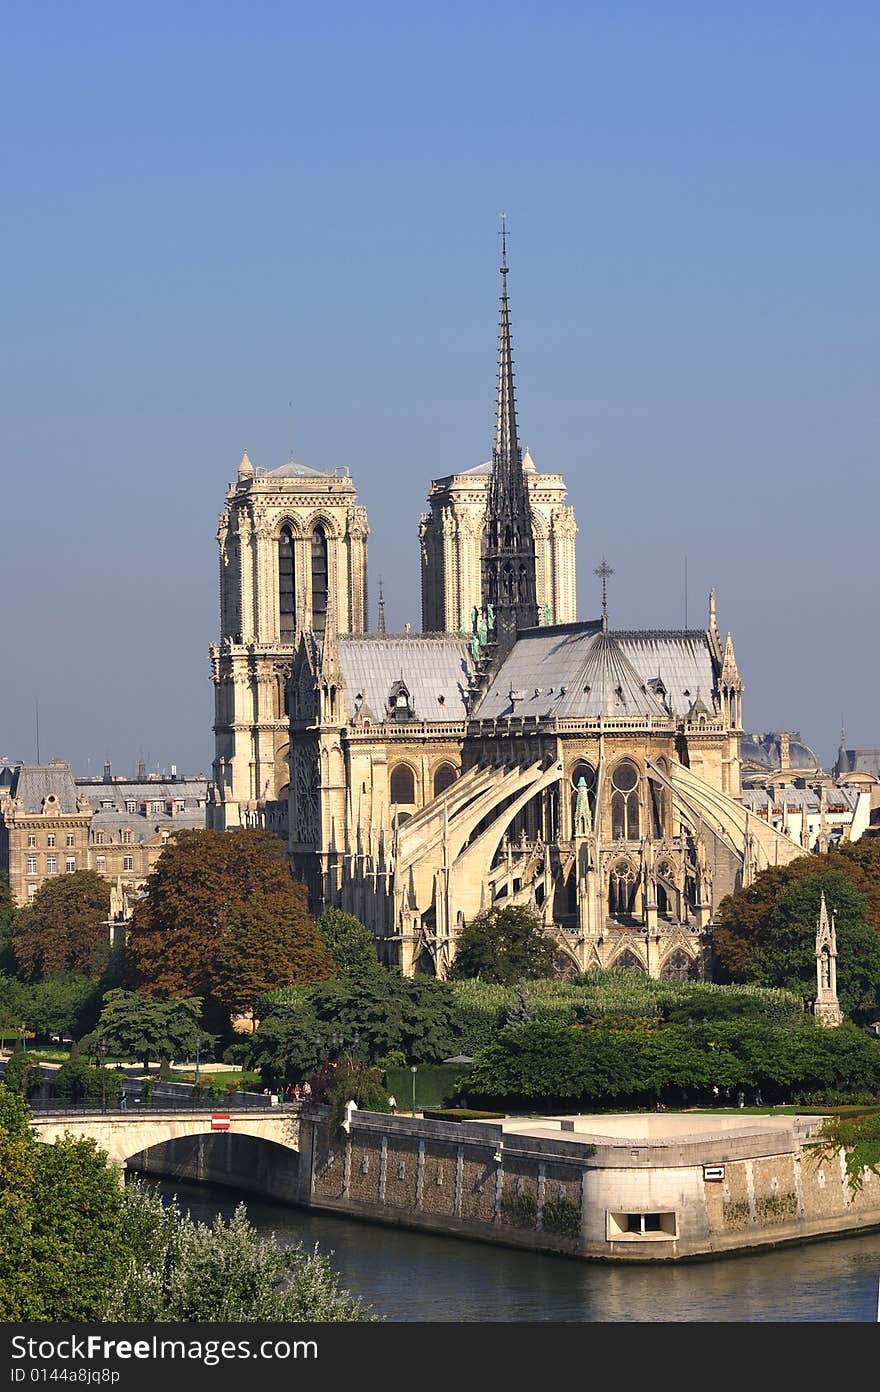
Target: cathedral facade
x=507, y=755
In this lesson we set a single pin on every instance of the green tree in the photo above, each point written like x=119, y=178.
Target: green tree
x=7, y=919
x=21, y=1074
x=349, y=943
x=384, y=1012
x=61, y=1241
x=505, y=946
x=145, y=1027
x=269, y=942
x=64, y=927
x=769, y=933
x=75, y=1081
x=185, y=1271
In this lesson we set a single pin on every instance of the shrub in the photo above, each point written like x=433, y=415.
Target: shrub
x=520, y=1209
x=461, y=1114
x=561, y=1216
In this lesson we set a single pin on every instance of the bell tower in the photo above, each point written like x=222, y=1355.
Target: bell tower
x=293, y=548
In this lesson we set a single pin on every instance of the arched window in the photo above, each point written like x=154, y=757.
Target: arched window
x=444, y=778
x=621, y=890
x=286, y=587
x=625, y=802
x=319, y=579
x=586, y=772
x=403, y=784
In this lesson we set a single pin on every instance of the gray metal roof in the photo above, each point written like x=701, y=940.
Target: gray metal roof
x=790, y=798
x=146, y=826
x=182, y=790
x=859, y=761
x=36, y=782
x=433, y=667
x=576, y=671
x=766, y=750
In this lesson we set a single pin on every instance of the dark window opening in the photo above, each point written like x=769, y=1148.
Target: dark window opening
x=286, y=586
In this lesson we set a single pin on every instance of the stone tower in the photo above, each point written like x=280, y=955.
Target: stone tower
x=827, y=1008
x=293, y=545
x=509, y=588
x=451, y=534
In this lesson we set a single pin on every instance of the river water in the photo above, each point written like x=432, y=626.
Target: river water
x=416, y=1276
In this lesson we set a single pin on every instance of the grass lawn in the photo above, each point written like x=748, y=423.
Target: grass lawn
x=222, y=1079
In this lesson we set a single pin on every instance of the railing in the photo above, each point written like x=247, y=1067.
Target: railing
x=49, y=1109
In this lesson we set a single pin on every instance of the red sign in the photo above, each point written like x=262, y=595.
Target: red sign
x=220, y=1121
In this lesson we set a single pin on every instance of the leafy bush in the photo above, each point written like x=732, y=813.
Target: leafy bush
x=561, y=1216
x=521, y=1210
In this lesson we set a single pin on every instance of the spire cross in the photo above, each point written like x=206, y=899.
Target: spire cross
x=503, y=236
x=603, y=571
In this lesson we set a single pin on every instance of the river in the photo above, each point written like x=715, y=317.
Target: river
x=414, y=1276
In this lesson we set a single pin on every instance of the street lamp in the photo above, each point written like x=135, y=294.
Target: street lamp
x=413, y=1070
x=102, y=1050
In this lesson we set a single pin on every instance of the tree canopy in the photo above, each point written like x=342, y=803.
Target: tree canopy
x=207, y=901
x=385, y=1011
x=767, y=932
x=145, y=1027
x=504, y=946
x=349, y=943
x=64, y=927
x=75, y=1247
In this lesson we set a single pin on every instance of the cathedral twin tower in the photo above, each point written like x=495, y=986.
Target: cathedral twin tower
x=293, y=562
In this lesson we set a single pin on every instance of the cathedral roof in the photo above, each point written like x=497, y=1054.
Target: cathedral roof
x=575, y=671
x=432, y=666
x=294, y=470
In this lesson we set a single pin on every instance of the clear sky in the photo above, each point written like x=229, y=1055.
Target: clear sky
x=274, y=227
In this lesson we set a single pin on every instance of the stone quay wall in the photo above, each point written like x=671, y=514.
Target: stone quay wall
x=645, y=1199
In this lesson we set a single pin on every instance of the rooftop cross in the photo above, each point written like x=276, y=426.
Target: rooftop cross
x=603, y=571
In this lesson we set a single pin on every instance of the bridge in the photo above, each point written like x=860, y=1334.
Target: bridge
x=258, y=1151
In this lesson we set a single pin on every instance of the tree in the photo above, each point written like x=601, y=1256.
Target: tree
x=185, y=1271
x=767, y=932
x=201, y=882
x=505, y=946
x=268, y=942
x=75, y=1247
x=383, y=1012
x=7, y=919
x=64, y=927
x=349, y=943
x=144, y=1027
x=62, y=1247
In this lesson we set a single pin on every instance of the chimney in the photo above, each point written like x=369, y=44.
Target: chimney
x=142, y=771
x=173, y=773
x=108, y=777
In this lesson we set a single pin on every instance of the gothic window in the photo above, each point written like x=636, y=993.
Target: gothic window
x=403, y=784
x=628, y=961
x=286, y=586
x=444, y=777
x=621, y=890
x=319, y=579
x=625, y=824
x=677, y=967
x=588, y=774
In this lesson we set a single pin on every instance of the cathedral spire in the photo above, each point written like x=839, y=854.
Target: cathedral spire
x=381, y=609
x=508, y=541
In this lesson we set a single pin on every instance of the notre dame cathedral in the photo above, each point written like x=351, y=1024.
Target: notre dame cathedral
x=508, y=754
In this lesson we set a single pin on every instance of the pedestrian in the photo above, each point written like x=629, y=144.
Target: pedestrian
x=123, y=1100
x=716, y=1095
x=392, y=1103
x=759, y=1101
x=307, y=1092
x=740, y=1098
x=297, y=1092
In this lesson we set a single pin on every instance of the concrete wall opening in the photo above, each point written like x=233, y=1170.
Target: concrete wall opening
x=639, y=1227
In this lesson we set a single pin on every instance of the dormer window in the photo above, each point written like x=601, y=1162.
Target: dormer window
x=399, y=704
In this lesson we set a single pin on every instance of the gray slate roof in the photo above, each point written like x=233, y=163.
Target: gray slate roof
x=431, y=665
x=859, y=761
x=794, y=799
x=190, y=790
x=35, y=782
x=575, y=671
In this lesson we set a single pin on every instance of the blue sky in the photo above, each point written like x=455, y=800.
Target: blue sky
x=270, y=228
